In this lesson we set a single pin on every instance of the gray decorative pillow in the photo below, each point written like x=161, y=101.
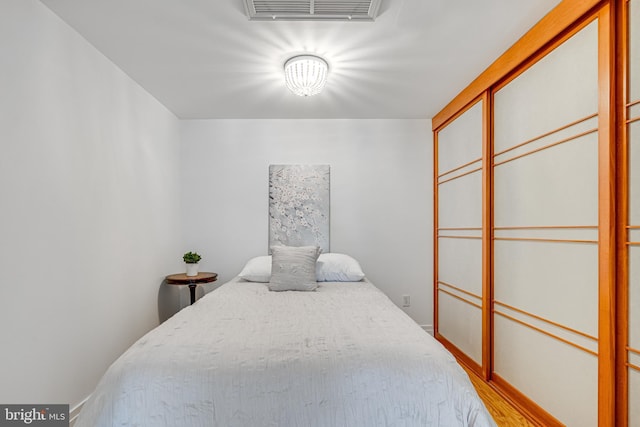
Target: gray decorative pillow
x=293, y=268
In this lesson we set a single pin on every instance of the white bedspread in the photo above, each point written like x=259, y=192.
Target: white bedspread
x=343, y=355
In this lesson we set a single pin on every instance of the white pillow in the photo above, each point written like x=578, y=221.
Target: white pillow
x=293, y=268
x=257, y=269
x=334, y=267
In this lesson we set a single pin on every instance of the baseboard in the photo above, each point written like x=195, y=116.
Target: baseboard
x=75, y=411
x=521, y=403
x=428, y=329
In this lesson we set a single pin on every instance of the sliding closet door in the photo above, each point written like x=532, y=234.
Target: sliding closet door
x=459, y=235
x=545, y=311
x=633, y=234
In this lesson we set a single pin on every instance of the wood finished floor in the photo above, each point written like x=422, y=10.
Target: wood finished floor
x=504, y=414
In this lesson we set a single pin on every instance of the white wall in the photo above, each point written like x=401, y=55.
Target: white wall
x=89, y=221
x=381, y=194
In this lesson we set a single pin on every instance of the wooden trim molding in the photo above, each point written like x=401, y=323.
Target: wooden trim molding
x=460, y=229
x=545, y=31
x=544, y=135
x=471, y=294
x=535, y=316
x=522, y=402
x=436, y=226
x=553, y=144
x=459, y=167
x=607, y=219
x=460, y=237
x=547, y=333
x=461, y=175
x=549, y=227
x=451, y=294
x=620, y=16
x=487, y=234
x=537, y=239
x=459, y=354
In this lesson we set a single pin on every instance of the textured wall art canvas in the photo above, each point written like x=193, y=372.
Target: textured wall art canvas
x=299, y=205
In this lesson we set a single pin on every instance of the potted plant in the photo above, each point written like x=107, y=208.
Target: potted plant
x=191, y=260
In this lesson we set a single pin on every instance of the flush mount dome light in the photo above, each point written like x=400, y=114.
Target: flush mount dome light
x=305, y=75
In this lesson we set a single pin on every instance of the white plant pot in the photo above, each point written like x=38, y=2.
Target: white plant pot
x=192, y=269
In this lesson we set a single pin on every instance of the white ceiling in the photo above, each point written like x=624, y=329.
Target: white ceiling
x=205, y=59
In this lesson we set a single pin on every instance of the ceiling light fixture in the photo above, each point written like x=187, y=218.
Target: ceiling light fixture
x=305, y=75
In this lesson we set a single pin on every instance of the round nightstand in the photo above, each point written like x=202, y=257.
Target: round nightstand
x=191, y=281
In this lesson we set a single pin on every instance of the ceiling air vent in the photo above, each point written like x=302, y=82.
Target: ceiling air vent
x=312, y=10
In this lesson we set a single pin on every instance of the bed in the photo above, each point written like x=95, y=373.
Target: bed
x=243, y=355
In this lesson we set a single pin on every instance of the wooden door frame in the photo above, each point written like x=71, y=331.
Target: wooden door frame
x=613, y=184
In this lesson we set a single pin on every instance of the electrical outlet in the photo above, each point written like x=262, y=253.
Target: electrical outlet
x=406, y=300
